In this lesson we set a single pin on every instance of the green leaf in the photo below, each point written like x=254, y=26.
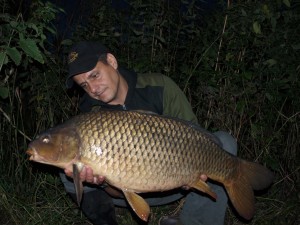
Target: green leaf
x=117, y=34
x=270, y=62
x=3, y=58
x=161, y=39
x=287, y=3
x=256, y=27
x=244, y=12
x=296, y=46
x=247, y=75
x=137, y=33
x=5, y=17
x=20, y=27
x=51, y=30
x=14, y=24
x=30, y=48
x=254, y=130
x=229, y=56
x=273, y=23
x=3, y=92
x=241, y=105
x=266, y=10
x=14, y=54
x=67, y=42
x=269, y=96
x=34, y=27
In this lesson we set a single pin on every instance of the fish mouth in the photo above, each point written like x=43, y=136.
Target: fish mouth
x=35, y=156
x=31, y=152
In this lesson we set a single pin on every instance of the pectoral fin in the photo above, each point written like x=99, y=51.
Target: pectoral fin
x=113, y=192
x=202, y=186
x=138, y=204
x=78, y=184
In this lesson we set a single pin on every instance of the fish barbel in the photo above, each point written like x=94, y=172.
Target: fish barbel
x=141, y=152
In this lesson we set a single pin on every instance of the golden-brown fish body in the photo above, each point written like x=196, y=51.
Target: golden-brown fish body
x=142, y=152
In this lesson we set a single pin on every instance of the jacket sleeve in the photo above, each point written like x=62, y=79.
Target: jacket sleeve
x=175, y=103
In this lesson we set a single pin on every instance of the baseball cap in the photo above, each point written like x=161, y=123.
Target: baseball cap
x=82, y=58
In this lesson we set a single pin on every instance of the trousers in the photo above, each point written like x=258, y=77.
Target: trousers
x=197, y=209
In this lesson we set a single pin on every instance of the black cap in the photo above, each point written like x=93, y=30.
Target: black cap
x=83, y=57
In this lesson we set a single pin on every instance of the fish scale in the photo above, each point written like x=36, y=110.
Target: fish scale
x=143, y=152
x=164, y=146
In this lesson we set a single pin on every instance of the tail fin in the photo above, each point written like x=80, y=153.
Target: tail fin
x=240, y=188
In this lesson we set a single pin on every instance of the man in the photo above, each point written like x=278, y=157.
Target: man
x=107, y=85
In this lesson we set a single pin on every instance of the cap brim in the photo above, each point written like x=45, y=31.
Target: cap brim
x=84, y=67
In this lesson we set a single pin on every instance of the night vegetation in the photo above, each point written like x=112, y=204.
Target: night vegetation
x=238, y=63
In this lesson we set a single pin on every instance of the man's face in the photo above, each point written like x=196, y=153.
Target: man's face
x=101, y=83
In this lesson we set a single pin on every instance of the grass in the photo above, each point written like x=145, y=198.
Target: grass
x=45, y=202
x=31, y=193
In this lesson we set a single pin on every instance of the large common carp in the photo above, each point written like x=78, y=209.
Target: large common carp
x=143, y=152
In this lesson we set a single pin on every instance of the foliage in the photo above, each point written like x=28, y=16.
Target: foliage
x=31, y=99
x=237, y=63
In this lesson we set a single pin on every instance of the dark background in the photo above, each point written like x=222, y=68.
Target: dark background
x=237, y=62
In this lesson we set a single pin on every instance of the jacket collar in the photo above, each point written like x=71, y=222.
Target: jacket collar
x=131, y=79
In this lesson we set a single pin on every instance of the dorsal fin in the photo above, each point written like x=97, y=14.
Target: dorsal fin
x=144, y=111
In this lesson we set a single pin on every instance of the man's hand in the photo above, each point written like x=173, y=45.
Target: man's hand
x=86, y=175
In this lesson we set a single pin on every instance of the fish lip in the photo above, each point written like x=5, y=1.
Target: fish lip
x=34, y=156
x=31, y=152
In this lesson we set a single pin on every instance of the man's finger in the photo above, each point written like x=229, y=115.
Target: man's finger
x=68, y=173
x=203, y=177
x=82, y=174
x=89, y=175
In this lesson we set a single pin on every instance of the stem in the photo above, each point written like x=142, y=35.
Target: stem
x=14, y=126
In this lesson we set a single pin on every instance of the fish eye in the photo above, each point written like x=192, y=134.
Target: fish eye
x=46, y=139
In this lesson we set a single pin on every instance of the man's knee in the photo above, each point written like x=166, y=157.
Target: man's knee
x=228, y=141
x=98, y=207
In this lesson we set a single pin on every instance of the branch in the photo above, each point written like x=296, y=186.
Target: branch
x=14, y=126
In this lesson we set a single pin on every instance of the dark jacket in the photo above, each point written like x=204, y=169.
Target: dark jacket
x=148, y=92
